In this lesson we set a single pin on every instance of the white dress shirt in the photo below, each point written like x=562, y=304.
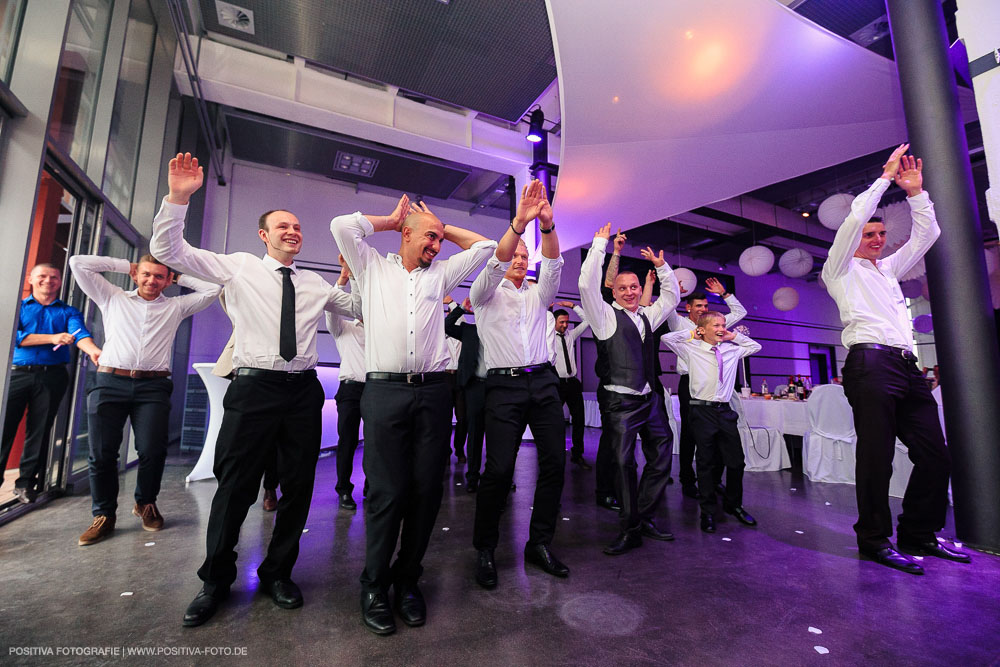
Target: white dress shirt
x=601, y=315
x=558, y=358
x=678, y=322
x=704, y=366
x=404, y=329
x=512, y=325
x=253, y=295
x=138, y=334
x=349, y=337
x=872, y=307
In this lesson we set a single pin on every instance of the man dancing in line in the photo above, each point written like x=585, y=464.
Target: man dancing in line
x=626, y=350
x=522, y=387
x=886, y=390
x=407, y=405
x=275, y=399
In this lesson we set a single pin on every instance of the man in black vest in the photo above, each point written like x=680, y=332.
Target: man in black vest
x=471, y=379
x=626, y=353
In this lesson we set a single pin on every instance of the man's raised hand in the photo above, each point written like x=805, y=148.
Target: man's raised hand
x=467, y=305
x=714, y=286
x=399, y=213
x=619, y=241
x=657, y=260
x=910, y=175
x=528, y=208
x=891, y=165
x=728, y=335
x=604, y=232
x=184, y=177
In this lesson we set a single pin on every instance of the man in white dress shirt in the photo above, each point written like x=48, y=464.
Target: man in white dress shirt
x=697, y=305
x=712, y=363
x=275, y=398
x=349, y=337
x=887, y=392
x=563, y=355
x=407, y=404
x=521, y=386
x=626, y=366
x=133, y=379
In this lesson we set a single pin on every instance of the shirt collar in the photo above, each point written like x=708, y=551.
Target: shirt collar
x=31, y=299
x=868, y=265
x=509, y=285
x=704, y=344
x=274, y=265
x=397, y=259
x=134, y=294
x=637, y=313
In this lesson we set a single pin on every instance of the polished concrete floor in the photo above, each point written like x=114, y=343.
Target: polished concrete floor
x=791, y=591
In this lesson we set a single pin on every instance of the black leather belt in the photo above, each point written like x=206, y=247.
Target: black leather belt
x=287, y=376
x=408, y=378
x=521, y=370
x=39, y=368
x=709, y=404
x=896, y=351
x=350, y=382
x=135, y=375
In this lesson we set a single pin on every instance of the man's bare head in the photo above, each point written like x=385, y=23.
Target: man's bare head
x=45, y=281
x=519, y=264
x=422, y=236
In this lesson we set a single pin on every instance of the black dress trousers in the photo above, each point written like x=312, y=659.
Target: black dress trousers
x=475, y=410
x=571, y=394
x=513, y=402
x=263, y=412
x=605, y=468
x=626, y=416
x=39, y=390
x=348, y=423
x=717, y=438
x=407, y=429
x=890, y=399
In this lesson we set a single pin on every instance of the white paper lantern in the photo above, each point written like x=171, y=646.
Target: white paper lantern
x=834, y=210
x=911, y=289
x=923, y=323
x=686, y=279
x=756, y=260
x=795, y=263
x=898, y=225
x=785, y=298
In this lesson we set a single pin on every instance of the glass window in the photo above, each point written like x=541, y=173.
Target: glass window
x=10, y=26
x=72, y=119
x=129, y=107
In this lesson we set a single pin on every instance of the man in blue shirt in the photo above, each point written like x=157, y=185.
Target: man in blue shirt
x=38, y=378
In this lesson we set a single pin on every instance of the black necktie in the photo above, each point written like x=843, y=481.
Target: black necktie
x=569, y=367
x=286, y=337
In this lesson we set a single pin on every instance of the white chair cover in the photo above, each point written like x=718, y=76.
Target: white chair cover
x=763, y=447
x=673, y=419
x=828, y=447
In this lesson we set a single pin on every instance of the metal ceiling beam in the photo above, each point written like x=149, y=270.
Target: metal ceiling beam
x=201, y=108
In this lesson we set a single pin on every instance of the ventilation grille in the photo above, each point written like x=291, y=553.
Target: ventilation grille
x=234, y=18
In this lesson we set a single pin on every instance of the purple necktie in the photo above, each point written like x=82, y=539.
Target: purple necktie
x=718, y=358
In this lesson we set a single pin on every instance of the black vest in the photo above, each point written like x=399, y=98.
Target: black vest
x=626, y=359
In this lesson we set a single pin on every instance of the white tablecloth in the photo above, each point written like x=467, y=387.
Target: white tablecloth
x=592, y=412
x=789, y=417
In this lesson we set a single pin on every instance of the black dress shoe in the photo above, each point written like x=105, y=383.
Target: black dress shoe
x=486, y=570
x=626, y=541
x=708, y=523
x=472, y=485
x=578, y=460
x=741, y=515
x=892, y=558
x=691, y=491
x=609, y=503
x=347, y=502
x=410, y=605
x=203, y=607
x=542, y=556
x=649, y=529
x=935, y=549
x=376, y=614
x=284, y=592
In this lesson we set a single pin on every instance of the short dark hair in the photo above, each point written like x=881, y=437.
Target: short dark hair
x=695, y=296
x=45, y=265
x=626, y=272
x=149, y=258
x=560, y=313
x=262, y=223
x=875, y=218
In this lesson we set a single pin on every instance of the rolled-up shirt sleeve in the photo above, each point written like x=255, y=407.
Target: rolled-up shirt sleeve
x=599, y=313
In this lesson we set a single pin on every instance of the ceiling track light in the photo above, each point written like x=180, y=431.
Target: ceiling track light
x=535, y=131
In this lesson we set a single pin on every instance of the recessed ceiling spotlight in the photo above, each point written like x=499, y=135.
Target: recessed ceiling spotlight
x=234, y=17
x=355, y=164
x=805, y=214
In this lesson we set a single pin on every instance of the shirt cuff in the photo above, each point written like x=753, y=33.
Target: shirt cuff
x=552, y=262
x=600, y=244
x=483, y=245
x=494, y=264
x=173, y=210
x=740, y=339
x=919, y=200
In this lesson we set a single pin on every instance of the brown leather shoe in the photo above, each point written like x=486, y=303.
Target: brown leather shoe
x=270, y=500
x=102, y=527
x=152, y=520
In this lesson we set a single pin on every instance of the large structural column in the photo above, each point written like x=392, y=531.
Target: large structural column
x=965, y=333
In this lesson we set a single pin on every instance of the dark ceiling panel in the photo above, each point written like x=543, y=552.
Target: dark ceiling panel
x=274, y=143
x=843, y=17
x=491, y=56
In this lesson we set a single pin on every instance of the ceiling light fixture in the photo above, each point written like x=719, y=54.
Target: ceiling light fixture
x=355, y=164
x=535, y=130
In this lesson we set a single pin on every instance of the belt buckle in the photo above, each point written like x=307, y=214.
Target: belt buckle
x=132, y=373
x=414, y=378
